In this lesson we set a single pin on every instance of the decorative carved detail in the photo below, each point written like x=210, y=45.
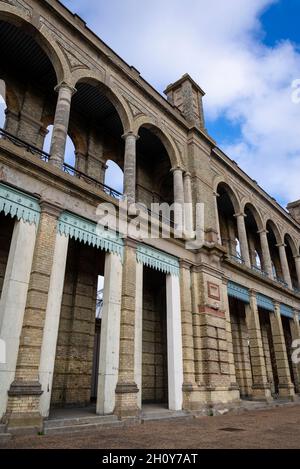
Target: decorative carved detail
x=76, y=58
x=213, y=291
x=74, y=62
x=19, y=4
x=136, y=112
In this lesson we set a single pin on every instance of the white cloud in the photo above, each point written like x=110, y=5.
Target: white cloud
x=220, y=44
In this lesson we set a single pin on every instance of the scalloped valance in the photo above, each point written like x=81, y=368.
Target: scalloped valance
x=86, y=232
x=18, y=204
x=157, y=260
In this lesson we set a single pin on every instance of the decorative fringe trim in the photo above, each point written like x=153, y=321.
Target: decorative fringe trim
x=158, y=260
x=19, y=205
x=89, y=233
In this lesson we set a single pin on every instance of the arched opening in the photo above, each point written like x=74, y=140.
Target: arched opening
x=30, y=79
x=96, y=129
x=290, y=254
x=154, y=178
x=114, y=176
x=273, y=241
x=70, y=153
x=253, y=237
x=227, y=222
x=2, y=104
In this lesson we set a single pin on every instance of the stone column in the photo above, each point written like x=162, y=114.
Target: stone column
x=188, y=207
x=189, y=380
x=284, y=265
x=286, y=387
x=61, y=124
x=178, y=197
x=110, y=335
x=297, y=264
x=233, y=381
x=130, y=166
x=127, y=390
x=266, y=257
x=174, y=338
x=13, y=301
x=240, y=217
x=295, y=332
x=48, y=352
x=261, y=387
x=25, y=391
x=138, y=356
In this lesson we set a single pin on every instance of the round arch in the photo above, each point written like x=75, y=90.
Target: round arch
x=166, y=140
x=275, y=230
x=231, y=194
x=111, y=94
x=289, y=240
x=255, y=213
x=16, y=17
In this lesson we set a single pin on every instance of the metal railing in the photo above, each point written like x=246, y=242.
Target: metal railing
x=66, y=168
x=90, y=180
x=237, y=259
x=281, y=281
x=259, y=270
x=22, y=144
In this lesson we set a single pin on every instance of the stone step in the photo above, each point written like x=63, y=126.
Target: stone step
x=73, y=421
x=4, y=438
x=165, y=415
x=80, y=428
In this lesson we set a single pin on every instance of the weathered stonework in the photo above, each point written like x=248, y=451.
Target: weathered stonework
x=191, y=329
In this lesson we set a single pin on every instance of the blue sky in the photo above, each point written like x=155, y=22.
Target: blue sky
x=244, y=53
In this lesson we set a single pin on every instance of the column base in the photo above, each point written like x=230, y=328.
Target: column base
x=126, y=402
x=192, y=397
x=22, y=414
x=261, y=392
x=24, y=423
x=207, y=397
x=287, y=391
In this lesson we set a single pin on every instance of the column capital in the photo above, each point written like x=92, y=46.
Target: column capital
x=252, y=292
x=280, y=245
x=130, y=134
x=64, y=84
x=264, y=231
x=240, y=214
x=185, y=264
x=131, y=243
x=51, y=209
x=177, y=168
x=297, y=257
x=187, y=174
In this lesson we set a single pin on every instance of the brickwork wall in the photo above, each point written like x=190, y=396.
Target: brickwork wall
x=240, y=338
x=268, y=347
x=288, y=343
x=154, y=364
x=6, y=230
x=75, y=346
